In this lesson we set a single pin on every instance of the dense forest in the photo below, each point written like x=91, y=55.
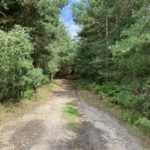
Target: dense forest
x=111, y=53
x=113, y=56
x=34, y=45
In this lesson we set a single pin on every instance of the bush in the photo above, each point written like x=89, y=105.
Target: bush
x=135, y=65
x=15, y=62
x=28, y=94
x=128, y=116
x=36, y=78
x=122, y=98
x=144, y=123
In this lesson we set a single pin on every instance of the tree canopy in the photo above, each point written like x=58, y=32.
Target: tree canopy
x=114, y=54
x=33, y=44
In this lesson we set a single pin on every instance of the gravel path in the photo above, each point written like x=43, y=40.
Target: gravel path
x=45, y=129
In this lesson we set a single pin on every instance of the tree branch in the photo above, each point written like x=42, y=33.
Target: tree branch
x=3, y=14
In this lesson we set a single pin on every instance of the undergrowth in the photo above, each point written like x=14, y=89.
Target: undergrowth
x=31, y=99
x=132, y=100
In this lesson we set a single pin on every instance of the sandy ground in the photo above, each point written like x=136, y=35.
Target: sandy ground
x=44, y=128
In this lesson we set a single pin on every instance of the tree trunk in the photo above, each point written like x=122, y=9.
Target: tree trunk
x=106, y=53
x=116, y=21
x=106, y=49
x=52, y=77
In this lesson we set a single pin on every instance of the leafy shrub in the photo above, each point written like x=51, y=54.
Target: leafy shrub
x=109, y=89
x=28, y=94
x=134, y=96
x=15, y=62
x=122, y=98
x=36, y=77
x=145, y=105
x=94, y=87
x=144, y=123
x=135, y=65
x=128, y=116
x=17, y=73
x=139, y=103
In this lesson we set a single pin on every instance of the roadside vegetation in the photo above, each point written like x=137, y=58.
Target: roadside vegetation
x=102, y=97
x=33, y=99
x=113, y=56
x=34, y=45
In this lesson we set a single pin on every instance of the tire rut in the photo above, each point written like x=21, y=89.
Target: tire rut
x=45, y=128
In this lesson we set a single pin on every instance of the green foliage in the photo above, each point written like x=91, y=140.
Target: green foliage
x=71, y=114
x=144, y=123
x=128, y=116
x=102, y=25
x=31, y=50
x=135, y=65
x=114, y=41
x=17, y=73
x=36, y=78
x=28, y=94
x=71, y=110
x=113, y=54
x=15, y=61
x=133, y=108
x=126, y=96
x=133, y=38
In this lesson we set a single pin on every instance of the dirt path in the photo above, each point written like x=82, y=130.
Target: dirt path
x=45, y=129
